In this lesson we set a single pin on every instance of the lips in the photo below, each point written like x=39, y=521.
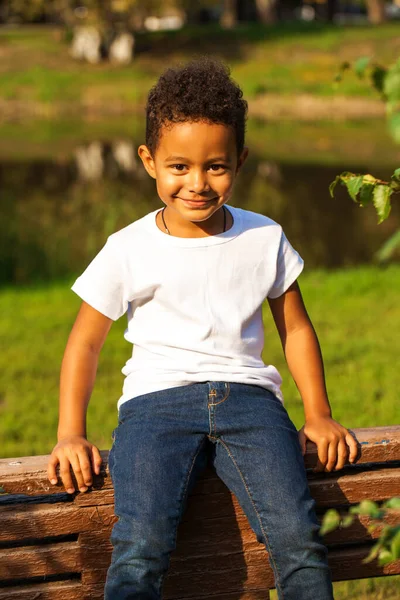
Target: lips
x=197, y=200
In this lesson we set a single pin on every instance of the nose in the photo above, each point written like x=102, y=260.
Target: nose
x=198, y=182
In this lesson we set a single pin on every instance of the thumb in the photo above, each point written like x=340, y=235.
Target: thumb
x=302, y=440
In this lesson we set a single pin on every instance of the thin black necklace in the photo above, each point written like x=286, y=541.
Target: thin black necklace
x=167, y=230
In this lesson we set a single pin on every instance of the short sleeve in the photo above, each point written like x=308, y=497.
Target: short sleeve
x=289, y=265
x=103, y=284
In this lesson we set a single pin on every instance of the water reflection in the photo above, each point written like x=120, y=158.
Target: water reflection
x=55, y=214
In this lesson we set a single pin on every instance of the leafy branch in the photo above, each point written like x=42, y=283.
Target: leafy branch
x=367, y=189
x=387, y=548
x=385, y=80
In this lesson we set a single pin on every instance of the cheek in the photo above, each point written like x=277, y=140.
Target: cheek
x=167, y=183
x=225, y=184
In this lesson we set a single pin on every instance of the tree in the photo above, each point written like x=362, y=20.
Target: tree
x=267, y=11
x=376, y=11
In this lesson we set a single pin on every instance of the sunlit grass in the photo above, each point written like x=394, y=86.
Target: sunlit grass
x=288, y=59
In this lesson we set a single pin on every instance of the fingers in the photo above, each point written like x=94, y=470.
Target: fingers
x=82, y=470
x=75, y=460
x=96, y=460
x=333, y=455
x=353, y=445
x=342, y=455
x=322, y=447
x=65, y=474
x=51, y=469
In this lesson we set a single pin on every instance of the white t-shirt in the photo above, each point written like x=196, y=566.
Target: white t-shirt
x=194, y=304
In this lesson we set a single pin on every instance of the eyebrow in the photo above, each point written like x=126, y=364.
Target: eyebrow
x=185, y=159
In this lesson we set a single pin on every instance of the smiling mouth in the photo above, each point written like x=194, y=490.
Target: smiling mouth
x=197, y=200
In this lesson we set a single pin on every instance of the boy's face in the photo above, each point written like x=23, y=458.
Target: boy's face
x=195, y=165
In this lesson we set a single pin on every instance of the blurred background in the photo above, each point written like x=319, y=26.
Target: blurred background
x=74, y=77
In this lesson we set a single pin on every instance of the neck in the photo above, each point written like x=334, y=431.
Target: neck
x=218, y=223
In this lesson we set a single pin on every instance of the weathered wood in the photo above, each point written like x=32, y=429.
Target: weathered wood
x=61, y=590
x=347, y=564
x=40, y=561
x=352, y=485
x=28, y=475
x=36, y=521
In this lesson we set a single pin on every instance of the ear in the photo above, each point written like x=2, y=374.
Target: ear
x=242, y=159
x=147, y=160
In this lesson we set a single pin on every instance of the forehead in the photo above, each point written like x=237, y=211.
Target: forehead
x=196, y=140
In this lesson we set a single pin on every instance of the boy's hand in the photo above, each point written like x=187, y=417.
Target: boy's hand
x=334, y=442
x=81, y=455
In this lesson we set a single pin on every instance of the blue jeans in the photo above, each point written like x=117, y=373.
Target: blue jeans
x=159, y=448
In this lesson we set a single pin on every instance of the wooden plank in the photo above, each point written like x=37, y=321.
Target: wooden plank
x=212, y=536
x=60, y=590
x=28, y=475
x=347, y=564
x=352, y=485
x=358, y=533
x=40, y=561
x=36, y=521
x=218, y=575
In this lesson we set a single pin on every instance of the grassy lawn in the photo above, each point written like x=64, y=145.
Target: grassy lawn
x=288, y=59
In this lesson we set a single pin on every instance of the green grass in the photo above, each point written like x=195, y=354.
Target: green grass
x=355, y=313
x=287, y=59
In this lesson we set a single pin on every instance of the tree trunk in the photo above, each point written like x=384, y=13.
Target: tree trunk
x=376, y=11
x=229, y=15
x=331, y=9
x=266, y=11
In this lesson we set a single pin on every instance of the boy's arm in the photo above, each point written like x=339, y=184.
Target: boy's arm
x=78, y=373
x=304, y=359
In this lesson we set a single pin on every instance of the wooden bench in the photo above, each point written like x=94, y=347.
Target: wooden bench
x=56, y=546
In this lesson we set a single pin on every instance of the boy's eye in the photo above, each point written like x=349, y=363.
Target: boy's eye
x=216, y=168
x=178, y=167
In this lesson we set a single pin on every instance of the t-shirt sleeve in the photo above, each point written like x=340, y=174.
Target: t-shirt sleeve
x=289, y=265
x=103, y=284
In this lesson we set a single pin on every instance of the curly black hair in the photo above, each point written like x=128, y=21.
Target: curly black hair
x=201, y=90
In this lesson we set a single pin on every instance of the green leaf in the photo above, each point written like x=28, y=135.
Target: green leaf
x=385, y=557
x=347, y=521
x=333, y=185
x=361, y=65
x=353, y=185
x=367, y=507
x=396, y=174
x=381, y=200
x=330, y=521
x=366, y=193
x=391, y=86
x=384, y=253
x=394, y=126
x=393, y=502
x=373, y=553
x=395, y=546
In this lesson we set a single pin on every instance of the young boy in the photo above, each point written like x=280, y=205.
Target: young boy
x=192, y=278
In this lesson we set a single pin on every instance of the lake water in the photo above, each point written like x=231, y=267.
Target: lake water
x=66, y=186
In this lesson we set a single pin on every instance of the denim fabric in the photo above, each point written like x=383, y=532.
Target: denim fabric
x=160, y=446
